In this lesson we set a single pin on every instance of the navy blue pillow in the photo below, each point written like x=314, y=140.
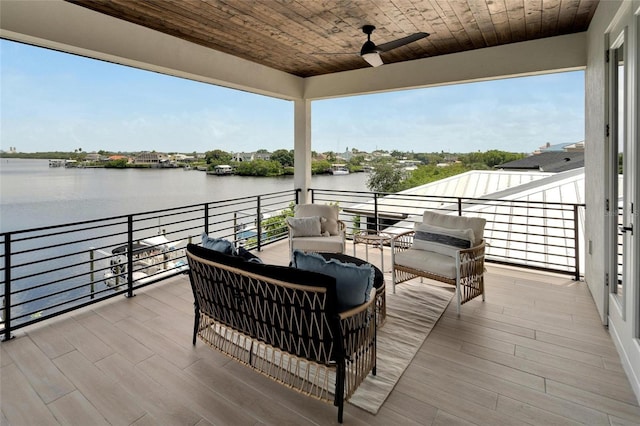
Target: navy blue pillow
x=218, y=244
x=248, y=256
x=353, y=282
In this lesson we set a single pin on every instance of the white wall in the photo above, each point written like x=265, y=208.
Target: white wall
x=622, y=329
x=596, y=156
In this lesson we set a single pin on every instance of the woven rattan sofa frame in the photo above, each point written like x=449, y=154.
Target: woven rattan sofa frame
x=469, y=280
x=353, y=333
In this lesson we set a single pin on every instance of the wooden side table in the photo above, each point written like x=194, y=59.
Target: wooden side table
x=372, y=238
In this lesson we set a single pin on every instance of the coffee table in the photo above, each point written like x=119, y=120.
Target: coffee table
x=378, y=282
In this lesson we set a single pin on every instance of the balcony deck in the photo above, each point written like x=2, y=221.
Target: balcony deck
x=533, y=353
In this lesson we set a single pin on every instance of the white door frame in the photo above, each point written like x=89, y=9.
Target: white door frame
x=624, y=307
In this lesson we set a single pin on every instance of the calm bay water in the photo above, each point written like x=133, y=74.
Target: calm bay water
x=32, y=194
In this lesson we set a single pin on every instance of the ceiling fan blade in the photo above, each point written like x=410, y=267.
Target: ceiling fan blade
x=332, y=53
x=385, y=47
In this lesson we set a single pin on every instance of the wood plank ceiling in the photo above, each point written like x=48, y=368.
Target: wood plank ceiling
x=314, y=37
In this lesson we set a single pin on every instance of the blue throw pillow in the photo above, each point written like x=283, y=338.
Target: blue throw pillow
x=353, y=282
x=218, y=244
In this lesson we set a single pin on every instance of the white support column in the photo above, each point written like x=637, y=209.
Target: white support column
x=302, y=147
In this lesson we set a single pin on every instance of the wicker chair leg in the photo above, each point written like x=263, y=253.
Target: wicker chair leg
x=339, y=398
x=196, y=323
x=393, y=278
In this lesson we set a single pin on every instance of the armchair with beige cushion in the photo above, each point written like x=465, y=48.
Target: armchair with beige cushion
x=445, y=248
x=316, y=228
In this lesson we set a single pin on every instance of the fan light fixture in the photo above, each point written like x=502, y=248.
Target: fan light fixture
x=372, y=58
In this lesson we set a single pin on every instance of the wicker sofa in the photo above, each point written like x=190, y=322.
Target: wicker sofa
x=284, y=323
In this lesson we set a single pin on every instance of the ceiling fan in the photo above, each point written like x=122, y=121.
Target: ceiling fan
x=371, y=53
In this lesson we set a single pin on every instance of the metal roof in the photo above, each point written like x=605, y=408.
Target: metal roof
x=548, y=161
x=537, y=215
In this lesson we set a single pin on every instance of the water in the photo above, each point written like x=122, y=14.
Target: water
x=32, y=194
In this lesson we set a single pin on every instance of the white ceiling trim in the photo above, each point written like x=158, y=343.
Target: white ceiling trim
x=554, y=54
x=60, y=25
x=63, y=26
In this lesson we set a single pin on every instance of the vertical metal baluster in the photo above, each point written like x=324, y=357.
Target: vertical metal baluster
x=576, y=242
x=375, y=212
x=130, y=256
x=259, y=225
x=91, y=258
x=206, y=218
x=7, y=287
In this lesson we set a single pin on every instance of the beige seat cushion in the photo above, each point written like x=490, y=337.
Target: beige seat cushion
x=428, y=261
x=332, y=244
x=456, y=222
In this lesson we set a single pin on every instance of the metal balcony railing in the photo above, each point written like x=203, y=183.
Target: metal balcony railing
x=540, y=235
x=52, y=270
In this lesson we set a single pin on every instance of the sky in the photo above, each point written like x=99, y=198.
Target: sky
x=53, y=101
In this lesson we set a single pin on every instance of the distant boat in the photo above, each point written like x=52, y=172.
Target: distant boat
x=63, y=163
x=223, y=169
x=153, y=258
x=339, y=169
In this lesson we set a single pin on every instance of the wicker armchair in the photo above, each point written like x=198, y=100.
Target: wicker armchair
x=329, y=237
x=444, y=248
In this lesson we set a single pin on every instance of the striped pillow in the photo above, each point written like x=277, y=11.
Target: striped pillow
x=446, y=241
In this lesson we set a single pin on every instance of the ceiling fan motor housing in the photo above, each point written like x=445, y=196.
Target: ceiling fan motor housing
x=368, y=46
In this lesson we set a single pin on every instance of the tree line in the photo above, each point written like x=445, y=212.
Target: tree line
x=387, y=177
x=387, y=174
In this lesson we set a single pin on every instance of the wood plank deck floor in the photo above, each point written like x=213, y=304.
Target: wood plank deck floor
x=533, y=353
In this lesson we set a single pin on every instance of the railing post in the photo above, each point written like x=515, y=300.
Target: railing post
x=91, y=258
x=235, y=229
x=375, y=211
x=459, y=206
x=7, y=288
x=313, y=195
x=576, y=241
x=130, y=256
x=206, y=218
x=259, y=224
x=297, y=196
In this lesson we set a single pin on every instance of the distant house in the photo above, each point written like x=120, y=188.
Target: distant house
x=250, y=156
x=550, y=161
x=266, y=156
x=409, y=164
x=567, y=146
x=93, y=156
x=119, y=157
x=346, y=156
x=182, y=158
x=575, y=147
x=153, y=158
x=243, y=156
